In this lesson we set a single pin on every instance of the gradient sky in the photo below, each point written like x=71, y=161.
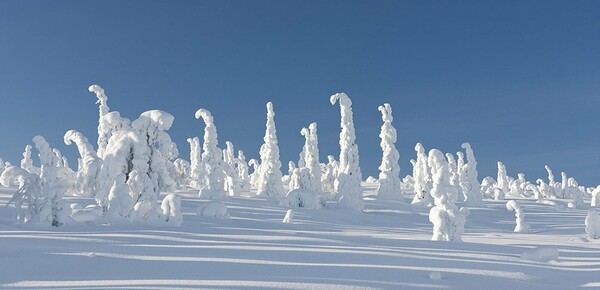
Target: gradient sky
x=520, y=80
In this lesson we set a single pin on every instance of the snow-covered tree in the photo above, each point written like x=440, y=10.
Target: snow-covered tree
x=448, y=221
x=53, y=209
x=242, y=171
x=120, y=201
x=453, y=167
x=551, y=180
x=195, y=162
x=389, y=171
x=269, y=171
x=232, y=183
x=171, y=209
x=182, y=172
x=347, y=183
x=27, y=162
x=596, y=196
x=151, y=127
x=502, y=180
x=311, y=157
x=521, y=225
x=592, y=224
x=89, y=163
x=329, y=174
x=470, y=185
x=28, y=194
x=213, y=186
x=104, y=132
x=254, y=175
x=421, y=175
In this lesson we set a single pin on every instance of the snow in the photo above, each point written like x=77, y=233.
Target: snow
x=387, y=247
x=540, y=254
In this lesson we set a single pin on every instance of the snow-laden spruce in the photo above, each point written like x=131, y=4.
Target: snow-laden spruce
x=232, y=183
x=448, y=221
x=53, y=209
x=347, y=183
x=268, y=172
x=213, y=185
x=89, y=164
x=468, y=179
x=242, y=171
x=195, y=162
x=421, y=175
x=329, y=174
x=311, y=157
x=521, y=225
x=389, y=184
x=27, y=162
x=502, y=180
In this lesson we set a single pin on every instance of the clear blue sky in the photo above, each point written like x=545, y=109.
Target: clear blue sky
x=520, y=80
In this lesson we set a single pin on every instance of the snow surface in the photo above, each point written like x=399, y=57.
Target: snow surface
x=385, y=247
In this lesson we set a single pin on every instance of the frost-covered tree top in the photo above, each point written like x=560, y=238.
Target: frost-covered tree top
x=347, y=185
x=102, y=99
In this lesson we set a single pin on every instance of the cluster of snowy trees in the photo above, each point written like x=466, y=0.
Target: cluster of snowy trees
x=134, y=162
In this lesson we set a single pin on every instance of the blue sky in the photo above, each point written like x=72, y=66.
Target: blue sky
x=520, y=80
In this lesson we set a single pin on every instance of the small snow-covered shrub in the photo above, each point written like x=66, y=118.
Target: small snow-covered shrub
x=592, y=224
x=303, y=198
x=521, y=226
x=213, y=209
x=289, y=217
x=171, y=209
x=498, y=193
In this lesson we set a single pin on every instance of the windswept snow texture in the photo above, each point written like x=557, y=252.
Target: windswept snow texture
x=385, y=247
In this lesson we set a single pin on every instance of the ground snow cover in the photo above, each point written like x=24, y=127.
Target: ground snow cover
x=387, y=246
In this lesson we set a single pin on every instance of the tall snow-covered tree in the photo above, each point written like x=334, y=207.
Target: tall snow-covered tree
x=213, y=186
x=471, y=187
x=347, y=183
x=269, y=171
x=311, y=157
x=448, y=221
x=502, y=180
x=389, y=176
x=53, y=209
x=232, y=183
x=196, y=171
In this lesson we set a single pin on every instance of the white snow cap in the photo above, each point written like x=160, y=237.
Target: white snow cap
x=163, y=119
